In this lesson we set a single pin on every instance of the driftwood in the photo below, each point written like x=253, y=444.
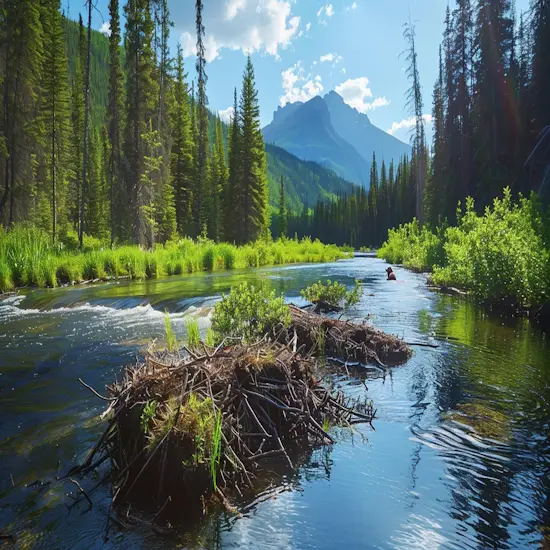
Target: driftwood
x=267, y=399
x=344, y=339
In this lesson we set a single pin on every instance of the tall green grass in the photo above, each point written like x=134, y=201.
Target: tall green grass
x=502, y=255
x=29, y=258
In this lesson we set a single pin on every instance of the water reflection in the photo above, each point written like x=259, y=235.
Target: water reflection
x=460, y=455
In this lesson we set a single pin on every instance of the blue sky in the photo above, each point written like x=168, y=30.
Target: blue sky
x=302, y=48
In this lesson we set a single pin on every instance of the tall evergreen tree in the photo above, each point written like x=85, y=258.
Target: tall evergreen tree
x=115, y=115
x=416, y=106
x=232, y=199
x=541, y=64
x=493, y=99
x=141, y=96
x=253, y=188
x=201, y=154
x=182, y=151
x=22, y=58
x=85, y=129
x=55, y=108
x=218, y=183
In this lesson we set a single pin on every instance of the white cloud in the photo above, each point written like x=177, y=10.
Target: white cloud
x=226, y=114
x=308, y=26
x=352, y=7
x=105, y=28
x=233, y=7
x=344, y=70
x=298, y=87
x=329, y=57
x=246, y=25
x=356, y=93
x=408, y=123
x=326, y=10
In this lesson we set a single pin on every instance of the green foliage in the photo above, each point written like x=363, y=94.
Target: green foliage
x=500, y=255
x=171, y=340
x=416, y=248
x=193, y=335
x=249, y=312
x=28, y=257
x=333, y=293
x=148, y=413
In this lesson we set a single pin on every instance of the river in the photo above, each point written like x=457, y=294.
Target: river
x=459, y=457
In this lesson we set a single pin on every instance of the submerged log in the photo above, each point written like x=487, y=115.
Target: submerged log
x=185, y=429
x=344, y=339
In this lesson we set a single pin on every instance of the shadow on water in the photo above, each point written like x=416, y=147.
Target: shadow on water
x=460, y=455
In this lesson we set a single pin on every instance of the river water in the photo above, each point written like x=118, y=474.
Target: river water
x=459, y=457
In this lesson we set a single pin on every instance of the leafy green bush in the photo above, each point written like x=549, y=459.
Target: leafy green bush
x=333, y=293
x=499, y=255
x=249, y=312
x=416, y=248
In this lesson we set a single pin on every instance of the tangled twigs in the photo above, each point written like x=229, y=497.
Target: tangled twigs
x=349, y=341
x=184, y=429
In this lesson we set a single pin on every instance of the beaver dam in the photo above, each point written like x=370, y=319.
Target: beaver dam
x=191, y=427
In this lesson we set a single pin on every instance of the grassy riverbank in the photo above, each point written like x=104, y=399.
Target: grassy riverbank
x=500, y=256
x=28, y=258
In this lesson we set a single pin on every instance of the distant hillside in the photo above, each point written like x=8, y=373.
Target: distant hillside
x=307, y=132
x=328, y=131
x=305, y=181
x=358, y=130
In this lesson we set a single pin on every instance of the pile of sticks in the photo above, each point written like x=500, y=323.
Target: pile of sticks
x=269, y=402
x=344, y=339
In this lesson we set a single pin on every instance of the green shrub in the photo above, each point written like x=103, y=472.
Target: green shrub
x=249, y=312
x=499, y=255
x=416, y=248
x=333, y=293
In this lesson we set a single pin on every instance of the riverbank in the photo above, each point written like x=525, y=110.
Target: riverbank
x=501, y=258
x=28, y=258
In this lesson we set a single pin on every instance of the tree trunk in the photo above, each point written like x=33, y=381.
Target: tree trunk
x=86, y=116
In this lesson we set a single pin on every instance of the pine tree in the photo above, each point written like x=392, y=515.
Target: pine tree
x=141, y=96
x=95, y=212
x=164, y=192
x=22, y=58
x=436, y=197
x=373, y=201
x=55, y=109
x=416, y=106
x=85, y=130
x=541, y=64
x=115, y=113
x=253, y=188
x=218, y=183
x=282, y=216
x=201, y=154
x=182, y=151
x=77, y=130
x=493, y=99
x=232, y=199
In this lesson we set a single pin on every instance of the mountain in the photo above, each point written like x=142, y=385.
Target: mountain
x=357, y=129
x=306, y=131
x=328, y=131
x=305, y=181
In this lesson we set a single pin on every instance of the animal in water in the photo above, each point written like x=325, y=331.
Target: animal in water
x=391, y=274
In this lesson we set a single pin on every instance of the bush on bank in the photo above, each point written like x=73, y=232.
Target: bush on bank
x=29, y=258
x=500, y=255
